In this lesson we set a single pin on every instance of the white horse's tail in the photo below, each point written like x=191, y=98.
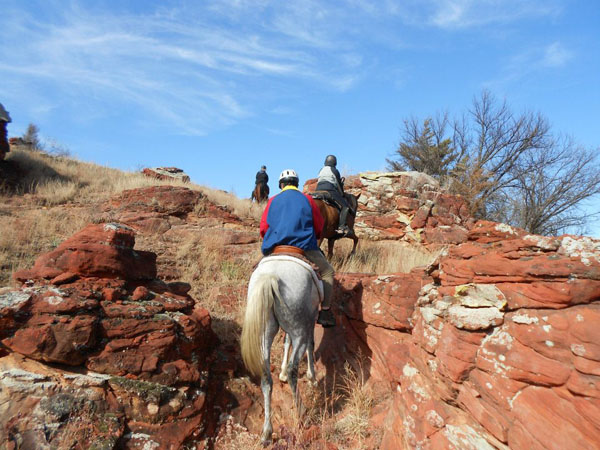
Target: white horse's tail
x=260, y=301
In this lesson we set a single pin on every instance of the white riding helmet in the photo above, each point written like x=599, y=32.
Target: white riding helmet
x=288, y=173
x=288, y=176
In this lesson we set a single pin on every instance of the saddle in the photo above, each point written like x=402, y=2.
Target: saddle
x=294, y=252
x=326, y=197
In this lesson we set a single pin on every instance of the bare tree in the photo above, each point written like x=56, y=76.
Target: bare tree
x=494, y=142
x=511, y=168
x=557, y=182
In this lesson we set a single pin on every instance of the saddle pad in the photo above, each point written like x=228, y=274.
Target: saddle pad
x=326, y=197
x=303, y=263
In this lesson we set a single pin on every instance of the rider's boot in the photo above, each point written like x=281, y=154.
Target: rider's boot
x=342, y=227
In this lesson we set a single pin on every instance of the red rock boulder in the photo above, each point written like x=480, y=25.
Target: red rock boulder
x=99, y=250
x=167, y=173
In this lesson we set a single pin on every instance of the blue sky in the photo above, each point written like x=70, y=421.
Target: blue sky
x=220, y=87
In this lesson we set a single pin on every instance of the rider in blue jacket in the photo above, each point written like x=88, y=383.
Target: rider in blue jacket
x=293, y=218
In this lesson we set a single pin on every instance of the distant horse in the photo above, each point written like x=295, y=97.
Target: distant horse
x=283, y=292
x=260, y=193
x=332, y=216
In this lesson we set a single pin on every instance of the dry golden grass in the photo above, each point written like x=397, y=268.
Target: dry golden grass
x=37, y=222
x=243, y=208
x=57, y=180
x=203, y=263
x=25, y=234
x=342, y=411
x=380, y=257
x=359, y=400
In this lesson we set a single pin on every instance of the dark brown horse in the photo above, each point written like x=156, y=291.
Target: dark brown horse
x=260, y=193
x=332, y=216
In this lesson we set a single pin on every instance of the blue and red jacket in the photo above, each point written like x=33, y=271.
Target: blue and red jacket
x=291, y=218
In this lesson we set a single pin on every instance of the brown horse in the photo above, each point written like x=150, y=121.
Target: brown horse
x=332, y=216
x=260, y=193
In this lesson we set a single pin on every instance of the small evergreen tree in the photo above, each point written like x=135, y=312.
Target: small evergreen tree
x=424, y=149
x=31, y=137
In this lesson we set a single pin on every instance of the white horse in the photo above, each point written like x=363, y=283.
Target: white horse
x=283, y=292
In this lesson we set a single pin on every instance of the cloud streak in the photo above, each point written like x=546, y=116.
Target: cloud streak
x=200, y=69
x=533, y=60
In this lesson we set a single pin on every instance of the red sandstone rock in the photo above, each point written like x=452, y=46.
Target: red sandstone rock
x=393, y=205
x=485, y=232
x=445, y=235
x=14, y=307
x=55, y=339
x=103, y=250
x=167, y=173
x=515, y=261
x=547, y=420
x=169, y=200
x=155, y=209
x=487, y=414
x=385, y=301
x=421, y=216
x=64, y=278
x=141, y=293
x=457, y=351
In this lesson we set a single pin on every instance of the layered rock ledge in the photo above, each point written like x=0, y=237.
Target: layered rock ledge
x=407, y=206
x=126, y=350
x=494, y=346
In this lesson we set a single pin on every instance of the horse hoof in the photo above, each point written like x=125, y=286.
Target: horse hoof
x=283, y=378
x=266, y=438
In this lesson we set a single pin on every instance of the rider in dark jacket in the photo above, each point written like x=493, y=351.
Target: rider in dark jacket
x=330, y=181
x=261, y=176
x=4, y=120
x=261, y=180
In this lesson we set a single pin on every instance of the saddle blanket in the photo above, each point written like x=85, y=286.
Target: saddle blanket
x=306, y=265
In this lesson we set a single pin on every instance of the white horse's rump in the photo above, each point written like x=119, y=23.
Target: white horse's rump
x=283, y=292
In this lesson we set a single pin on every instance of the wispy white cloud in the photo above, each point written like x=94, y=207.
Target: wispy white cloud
x=457, y=14
x=556, y=55
x=199, y=68
x=533, y=60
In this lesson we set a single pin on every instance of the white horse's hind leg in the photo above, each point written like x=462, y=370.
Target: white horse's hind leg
x=286, y=352
x=266, y=381
x=310, y=372
x=298, y=349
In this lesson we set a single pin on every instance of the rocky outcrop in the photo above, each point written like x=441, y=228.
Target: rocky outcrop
x=102, y=250
x=166, y=173
x=155, y=209
x=408, y=206
x=158, y=209
x=498, y=350
x=137, y=348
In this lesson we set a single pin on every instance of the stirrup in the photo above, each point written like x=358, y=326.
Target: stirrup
x=342, y=230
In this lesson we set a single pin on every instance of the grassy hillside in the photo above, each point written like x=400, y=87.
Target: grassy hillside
x=44, y=199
